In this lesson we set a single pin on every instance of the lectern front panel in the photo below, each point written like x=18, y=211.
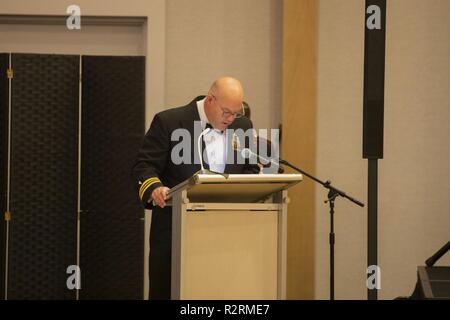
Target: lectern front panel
x=233, y=252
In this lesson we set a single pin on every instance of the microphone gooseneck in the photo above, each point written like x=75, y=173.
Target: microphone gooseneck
x=199, y=148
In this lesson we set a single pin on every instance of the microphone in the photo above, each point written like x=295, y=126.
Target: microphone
x=199, y=148
x=247, y=153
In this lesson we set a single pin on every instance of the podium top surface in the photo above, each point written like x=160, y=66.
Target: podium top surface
x=234, y=187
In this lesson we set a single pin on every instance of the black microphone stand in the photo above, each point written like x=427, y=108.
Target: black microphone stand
x=333, y=193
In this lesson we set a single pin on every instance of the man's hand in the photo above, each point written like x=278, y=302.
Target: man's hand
x=159, y=195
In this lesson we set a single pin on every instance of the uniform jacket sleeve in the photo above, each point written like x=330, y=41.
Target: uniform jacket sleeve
x=151, y=160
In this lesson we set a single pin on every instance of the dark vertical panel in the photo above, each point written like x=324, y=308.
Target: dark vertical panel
x=374, y=74
x=111, y=226
x=44, y=159
x=373, y=117
x=4, y=93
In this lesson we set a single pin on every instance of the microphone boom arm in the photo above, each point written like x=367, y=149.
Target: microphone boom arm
x=334, y=191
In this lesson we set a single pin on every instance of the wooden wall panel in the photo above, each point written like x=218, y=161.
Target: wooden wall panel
x=299, y=138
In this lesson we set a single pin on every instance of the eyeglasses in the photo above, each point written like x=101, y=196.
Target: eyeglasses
x=227, y=113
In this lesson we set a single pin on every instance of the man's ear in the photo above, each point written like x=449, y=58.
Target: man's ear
x=208, y=99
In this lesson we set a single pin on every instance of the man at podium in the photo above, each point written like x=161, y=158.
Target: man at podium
x=156, y=170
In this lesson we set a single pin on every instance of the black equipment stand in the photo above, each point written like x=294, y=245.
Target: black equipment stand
x=332, y=195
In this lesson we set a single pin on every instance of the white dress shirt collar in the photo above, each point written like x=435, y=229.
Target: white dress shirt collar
x=202, y=113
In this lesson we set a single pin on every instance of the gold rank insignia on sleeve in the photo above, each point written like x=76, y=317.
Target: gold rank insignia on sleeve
x=147, y=184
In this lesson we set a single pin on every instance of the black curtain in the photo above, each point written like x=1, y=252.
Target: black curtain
x=112, y=232
x=44, y=158
x=4, y=97
x=44, y=175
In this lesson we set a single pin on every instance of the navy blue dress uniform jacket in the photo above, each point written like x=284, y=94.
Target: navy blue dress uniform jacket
x=154, y=167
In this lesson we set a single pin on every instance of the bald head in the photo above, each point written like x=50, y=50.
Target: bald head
x=224, y=97
x=227, y=88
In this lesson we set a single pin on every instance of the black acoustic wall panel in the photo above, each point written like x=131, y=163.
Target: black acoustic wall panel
x=44, y=157
x=374, y=74
x=111, y=226
x=4, y=97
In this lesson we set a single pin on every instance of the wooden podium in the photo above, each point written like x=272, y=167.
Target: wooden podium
x=229, y=236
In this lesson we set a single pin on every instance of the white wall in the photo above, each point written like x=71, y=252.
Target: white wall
x=121, y=40
x=189, y=44
x=416, y=170
x=242, y=38
x=414, y=176
x=152, y=37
